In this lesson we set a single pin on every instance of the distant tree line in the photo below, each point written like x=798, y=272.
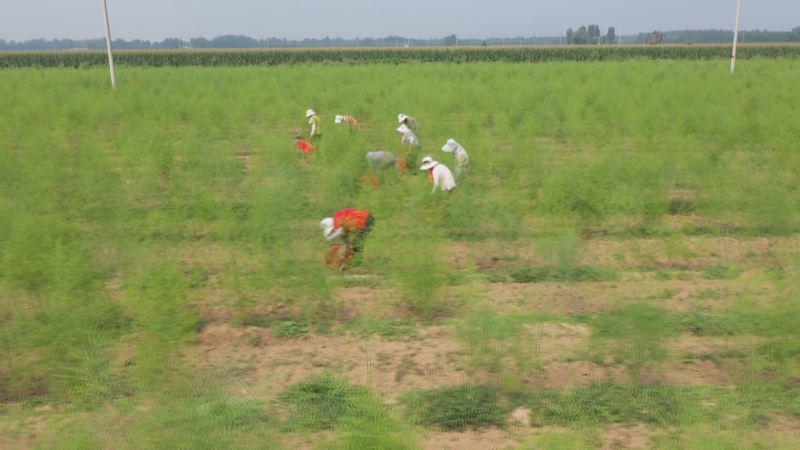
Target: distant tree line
x=592, y=35
x=584, y=35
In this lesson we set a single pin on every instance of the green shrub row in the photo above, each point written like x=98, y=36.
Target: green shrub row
x=212, y=58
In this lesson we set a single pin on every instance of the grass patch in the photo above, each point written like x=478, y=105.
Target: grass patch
x=321, y=402
x=601, y=404
x=289, y=329
x=387, y=328
x=455, y=407
x=722, y=272
x=562, y=274
x=324, y=402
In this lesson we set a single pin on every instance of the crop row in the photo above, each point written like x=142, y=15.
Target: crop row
x=390, y=55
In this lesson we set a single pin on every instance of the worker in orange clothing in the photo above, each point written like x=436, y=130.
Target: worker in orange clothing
x=353, y=226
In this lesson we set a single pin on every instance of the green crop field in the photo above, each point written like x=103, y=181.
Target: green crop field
x=618, y=270
x=352, y=56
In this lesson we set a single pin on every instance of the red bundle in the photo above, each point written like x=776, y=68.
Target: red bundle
x=334, y=257
x=305, y=147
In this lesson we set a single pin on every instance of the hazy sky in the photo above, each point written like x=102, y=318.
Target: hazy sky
x=293, y=19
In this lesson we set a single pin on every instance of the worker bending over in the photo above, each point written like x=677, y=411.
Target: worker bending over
x=352, y=226
x=349, y=122
x=460, y=155
x=439, y=174
x=408, y=121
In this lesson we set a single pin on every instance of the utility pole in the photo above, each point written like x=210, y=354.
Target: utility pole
x=735, y=35
x=108, y=43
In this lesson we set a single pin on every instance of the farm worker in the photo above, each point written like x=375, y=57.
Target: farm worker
x=352, y=225
x=462, y=159
x=439, y=174
x=381, y=159
x=409, y=121
x=409, y=157
x=408, y=136
x=316, y=125
x=348, y=121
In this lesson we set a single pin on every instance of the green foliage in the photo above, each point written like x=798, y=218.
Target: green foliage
x=600, y=404
x=455, y=407
x=387, y=328
x=205, y=422
x=321, y=402
x=214, y=58
x=289, y=329
x=562, y=274
x=721, y=272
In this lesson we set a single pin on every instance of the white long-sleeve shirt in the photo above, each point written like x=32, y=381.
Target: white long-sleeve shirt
x=443, y=178
x=410, y=138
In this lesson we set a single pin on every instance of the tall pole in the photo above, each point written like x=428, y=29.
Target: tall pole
x=108, y=42
x=735, y=35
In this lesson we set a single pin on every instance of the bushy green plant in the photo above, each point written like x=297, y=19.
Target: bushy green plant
x=321, y=402
x=600, y=404
x=456, y=407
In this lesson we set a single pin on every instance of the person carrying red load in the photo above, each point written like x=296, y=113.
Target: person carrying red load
x=353, y=226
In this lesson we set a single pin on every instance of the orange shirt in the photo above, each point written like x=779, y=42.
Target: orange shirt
x=351, y=220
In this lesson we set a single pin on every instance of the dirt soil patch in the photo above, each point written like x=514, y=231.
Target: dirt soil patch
x=556, y=298
x=266, y=364
x=484, y=439
x=591, y=298
x=620, y=437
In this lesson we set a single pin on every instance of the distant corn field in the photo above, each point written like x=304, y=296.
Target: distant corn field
x=272, y=57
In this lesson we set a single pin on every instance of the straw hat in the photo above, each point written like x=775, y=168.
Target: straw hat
x=310, y=113
x=327, y=226
x=403, y=129
x=451, y=146
x=428, y=163
x=339, y=119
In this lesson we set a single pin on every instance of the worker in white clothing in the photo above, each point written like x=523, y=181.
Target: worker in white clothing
x=408, y=136
x=461, y=157
x=409, y=155
x=439, y=174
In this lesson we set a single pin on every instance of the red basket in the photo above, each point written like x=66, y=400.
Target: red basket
x=305, y=147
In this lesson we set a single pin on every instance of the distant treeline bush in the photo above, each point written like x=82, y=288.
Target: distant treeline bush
x=233, y=41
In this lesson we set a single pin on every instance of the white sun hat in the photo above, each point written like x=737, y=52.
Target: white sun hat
x=451, y=146
x=428, y=163
x=339, y=119
x=402, y=128
x=310, y=113
x=401, y=118
x=327, y=226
